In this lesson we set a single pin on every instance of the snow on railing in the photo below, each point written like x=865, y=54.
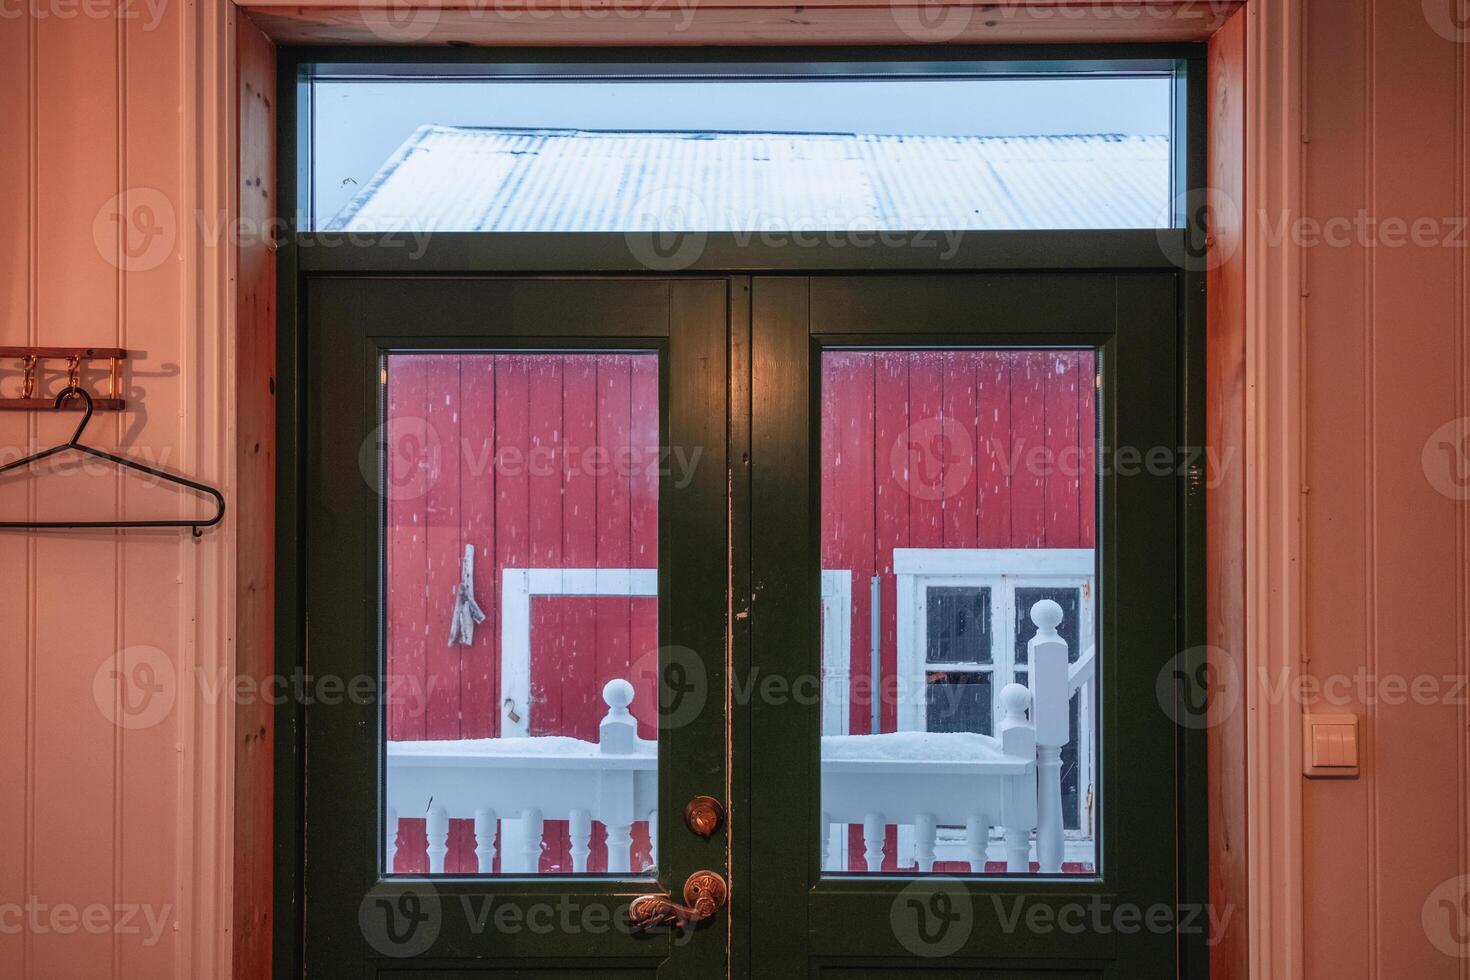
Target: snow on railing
x=933, y=779
x=923, y=779
x=527, y=781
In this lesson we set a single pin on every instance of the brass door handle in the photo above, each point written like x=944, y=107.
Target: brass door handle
x=704, y=895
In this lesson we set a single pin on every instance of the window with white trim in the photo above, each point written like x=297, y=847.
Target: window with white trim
x=963, y=627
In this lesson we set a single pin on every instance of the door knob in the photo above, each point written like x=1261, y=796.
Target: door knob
x=704, y=895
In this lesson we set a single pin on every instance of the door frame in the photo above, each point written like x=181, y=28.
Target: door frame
x=613, y=255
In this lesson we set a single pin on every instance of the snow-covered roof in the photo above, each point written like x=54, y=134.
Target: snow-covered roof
x=448, y=178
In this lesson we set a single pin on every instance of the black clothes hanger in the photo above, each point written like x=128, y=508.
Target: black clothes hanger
x=73, y=443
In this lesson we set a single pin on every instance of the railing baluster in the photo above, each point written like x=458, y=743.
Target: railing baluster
x=926, y=830
x=581, y=835
x=485, y=840
x=620, y=847
x=390, y=843
x=977, y=842
x=533, y=826
x=436, y=828
x=829, y=845
x=874, y=832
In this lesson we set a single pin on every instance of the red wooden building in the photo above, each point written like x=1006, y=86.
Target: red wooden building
x=551, y=461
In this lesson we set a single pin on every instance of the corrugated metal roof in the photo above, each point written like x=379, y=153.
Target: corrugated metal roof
x=447, y=178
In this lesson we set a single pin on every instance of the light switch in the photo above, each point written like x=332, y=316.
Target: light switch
x=1330, y=744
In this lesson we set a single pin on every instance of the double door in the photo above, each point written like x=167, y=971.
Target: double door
x=755, y=626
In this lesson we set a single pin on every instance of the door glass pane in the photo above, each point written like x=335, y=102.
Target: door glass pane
x=962, y=483
x=521, y=612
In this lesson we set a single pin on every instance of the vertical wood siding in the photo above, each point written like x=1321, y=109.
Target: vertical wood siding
x=946, y=449
x=1388, y=570
x=92, y=812
x=521, y=457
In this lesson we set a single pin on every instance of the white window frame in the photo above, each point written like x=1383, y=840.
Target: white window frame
x=836, y=651
x=518, y=587
x=1002, y=570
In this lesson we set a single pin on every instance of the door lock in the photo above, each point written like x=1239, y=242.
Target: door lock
x=704, y=815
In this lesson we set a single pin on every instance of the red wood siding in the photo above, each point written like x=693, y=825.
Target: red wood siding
x=947, y=449
x=960, y=449
x=543, y=461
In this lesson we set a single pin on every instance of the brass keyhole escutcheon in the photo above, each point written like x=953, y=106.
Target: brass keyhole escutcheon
x=704, y=815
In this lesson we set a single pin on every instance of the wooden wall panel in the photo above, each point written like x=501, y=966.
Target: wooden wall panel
x=1225, y=394
x=17, y=326
x=96, y=626
x=1385, y=348
x=75, y=749
x=255, y=454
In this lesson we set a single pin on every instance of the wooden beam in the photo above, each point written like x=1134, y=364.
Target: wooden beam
x=255, y=495
x=1225, y=420
x=751, y=22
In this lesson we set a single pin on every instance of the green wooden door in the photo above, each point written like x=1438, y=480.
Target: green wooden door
x=910, y=439
x=481, y=796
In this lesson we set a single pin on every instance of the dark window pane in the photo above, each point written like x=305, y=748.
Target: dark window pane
x=1070, y=599
x=958, y=703
x=958, y=625
x=1071, y=775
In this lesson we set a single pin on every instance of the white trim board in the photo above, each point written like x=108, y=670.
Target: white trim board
x=518, y=587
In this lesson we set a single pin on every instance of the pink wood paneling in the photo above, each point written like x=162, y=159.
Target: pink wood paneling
x=75, y=749
x=17, y=57
x=1385, y=366
x=90, y=810
x=1339, y=861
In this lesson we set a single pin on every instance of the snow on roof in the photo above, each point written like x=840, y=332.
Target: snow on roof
x=448, y=178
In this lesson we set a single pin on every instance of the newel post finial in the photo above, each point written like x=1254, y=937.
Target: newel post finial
x=1017, y=737
x=1047, y=615
x=618, y=732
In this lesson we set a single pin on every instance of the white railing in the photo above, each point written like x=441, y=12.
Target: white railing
x=931, y=779
x=530, y=780
x=923, y=779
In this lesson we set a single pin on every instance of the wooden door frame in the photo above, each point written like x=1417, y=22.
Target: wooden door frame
x=1254, y=415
